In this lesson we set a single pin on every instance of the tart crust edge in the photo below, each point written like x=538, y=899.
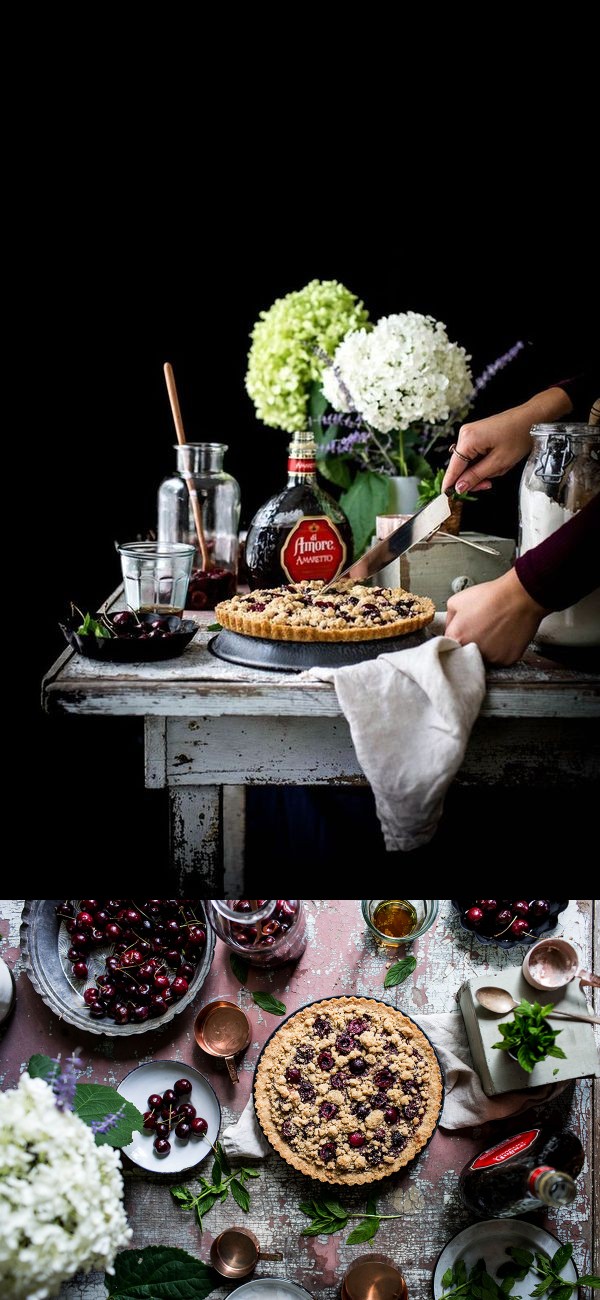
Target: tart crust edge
x=266, y=629
x=412, y=1149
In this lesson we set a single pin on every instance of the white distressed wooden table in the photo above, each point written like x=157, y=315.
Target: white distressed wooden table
x=341, y=957
x=212, y=728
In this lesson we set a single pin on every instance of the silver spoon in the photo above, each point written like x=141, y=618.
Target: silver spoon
x=500, y=1001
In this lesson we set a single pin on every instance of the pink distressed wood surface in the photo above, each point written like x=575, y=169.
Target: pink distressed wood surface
x=341, y=957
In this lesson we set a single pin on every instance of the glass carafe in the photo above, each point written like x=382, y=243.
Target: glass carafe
x=266, y=932
x=560, y=477
x=201, y=465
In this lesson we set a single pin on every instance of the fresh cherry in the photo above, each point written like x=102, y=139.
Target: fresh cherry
x=474, y=915
x=162, y=1147
x=198, y=1126
x=539, y=907
x=182, y=1087
x=486, y=904
x=80, y=970
x=519, y=926
x=521, y=907
x=183, y=1130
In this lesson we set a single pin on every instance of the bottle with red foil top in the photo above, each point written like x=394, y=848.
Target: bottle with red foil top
x=301, y=533
x=516, y=1175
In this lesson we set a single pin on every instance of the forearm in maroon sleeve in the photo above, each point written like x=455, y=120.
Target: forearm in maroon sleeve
x=565, y=567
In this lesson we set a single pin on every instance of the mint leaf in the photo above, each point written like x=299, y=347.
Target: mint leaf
x=520, y=1256
x=184, y=1197
x=214, y=627
x=41, y=1067
x=216, y=1174
x=371, y=1204
x=239, y=966
x=94, y=1101
x=448, y=1278
x=267, y=1002
x=335, y=1209
x=306, y=1208
x=225, y=1165
x=398, y=973
x=240, y=1194
x=590, y=1279
x=159, y=1273
x=364, y=1232
x=562, y=1256
x=321, y=1227
x=250, y=1172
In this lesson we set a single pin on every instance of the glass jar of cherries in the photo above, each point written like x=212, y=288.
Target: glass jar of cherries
x=267, y=932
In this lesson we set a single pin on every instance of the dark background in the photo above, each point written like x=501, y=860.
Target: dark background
x=105, y=316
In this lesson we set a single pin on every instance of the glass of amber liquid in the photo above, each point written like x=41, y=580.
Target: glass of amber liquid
x=371, y=1278
x=395, y=921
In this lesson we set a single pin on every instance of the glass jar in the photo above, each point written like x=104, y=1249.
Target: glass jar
x=397, y=921
x=266, y=932
x=560, y=477
x=200, y=464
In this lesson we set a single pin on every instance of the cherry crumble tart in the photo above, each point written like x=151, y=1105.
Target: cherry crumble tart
x=347, y=611
x=348, y=1090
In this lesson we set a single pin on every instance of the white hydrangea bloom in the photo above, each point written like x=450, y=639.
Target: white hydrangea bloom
x=61, y=1196
x=403, y=372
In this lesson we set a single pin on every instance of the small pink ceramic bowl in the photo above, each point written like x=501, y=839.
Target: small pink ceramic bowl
x=551, y=963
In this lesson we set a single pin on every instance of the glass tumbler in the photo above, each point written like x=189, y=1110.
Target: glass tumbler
x=156, y=575
x=395, y=921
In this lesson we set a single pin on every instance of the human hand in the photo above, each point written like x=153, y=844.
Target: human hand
x=500, y=616
x=500, y=441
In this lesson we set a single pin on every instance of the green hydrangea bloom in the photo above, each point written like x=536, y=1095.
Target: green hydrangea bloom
x=282, y=363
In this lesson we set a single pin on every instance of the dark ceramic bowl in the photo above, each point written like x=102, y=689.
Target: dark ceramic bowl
x=130, y=650
x=537, y=929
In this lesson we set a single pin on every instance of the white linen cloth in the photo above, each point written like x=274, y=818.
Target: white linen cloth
x=410, y=715
x=465, y=1103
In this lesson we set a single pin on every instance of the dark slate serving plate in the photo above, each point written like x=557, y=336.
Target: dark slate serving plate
x=296, y=656
x=130, y=650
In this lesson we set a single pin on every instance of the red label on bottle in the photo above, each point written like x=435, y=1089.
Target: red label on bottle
x=307, y=465
x=535, y=1174
x=313, y=549
x=513, y=1146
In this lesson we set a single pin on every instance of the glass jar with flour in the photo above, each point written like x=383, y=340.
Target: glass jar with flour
x=560, y=477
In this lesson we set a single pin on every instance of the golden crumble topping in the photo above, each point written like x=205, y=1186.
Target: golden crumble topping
x=348, y=1090
x=347, y=611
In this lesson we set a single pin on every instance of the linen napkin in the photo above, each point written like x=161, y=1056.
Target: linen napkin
x=410, y=716
x=465, y=1103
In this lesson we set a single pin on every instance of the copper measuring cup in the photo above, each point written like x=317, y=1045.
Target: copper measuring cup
x=236, y=1252
x=222, y=1029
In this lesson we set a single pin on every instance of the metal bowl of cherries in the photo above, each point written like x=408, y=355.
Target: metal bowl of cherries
x=505, y=921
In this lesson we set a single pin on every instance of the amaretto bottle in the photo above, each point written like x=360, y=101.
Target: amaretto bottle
x=560, y=477
x=532, y=1168
x=301, y=533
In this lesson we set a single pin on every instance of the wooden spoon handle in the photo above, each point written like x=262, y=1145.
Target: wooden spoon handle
x=181, y=438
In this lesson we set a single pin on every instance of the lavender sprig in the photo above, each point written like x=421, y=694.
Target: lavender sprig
x=109, y=1121
x=486, y=375
x=64, y=1082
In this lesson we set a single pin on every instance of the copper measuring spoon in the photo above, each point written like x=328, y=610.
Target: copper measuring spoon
x=222, y=1029
x=236, y=1252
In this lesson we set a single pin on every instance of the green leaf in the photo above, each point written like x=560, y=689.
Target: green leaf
x=94, y=1101
x=225, y=1165
x=214, y=627
x=335, y=1209
x=371, y=1204
x=317, y=406
x=306, y=1208
x=239, y=1193
x=399, y=972
x=562, y=1256
x=159, y=1273
x=239, y=966
x=252, y=1173
x=205, y=1203
x=367, y=497
x=520, y=1256
x=41, y=1067
x=557, y=1051
x=216, y=1174
x=590, y=1279
x=525, y=1059
x=184, y=1197
x=507, y=1285
x=364, y=1232
x=321, y=1227
x=267, y=1002
x=542, y=1287
x=336, y=469
x=564, y=1292
x=447, y=1278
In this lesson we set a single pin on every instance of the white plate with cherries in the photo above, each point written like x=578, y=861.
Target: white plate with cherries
x=182, y=1116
